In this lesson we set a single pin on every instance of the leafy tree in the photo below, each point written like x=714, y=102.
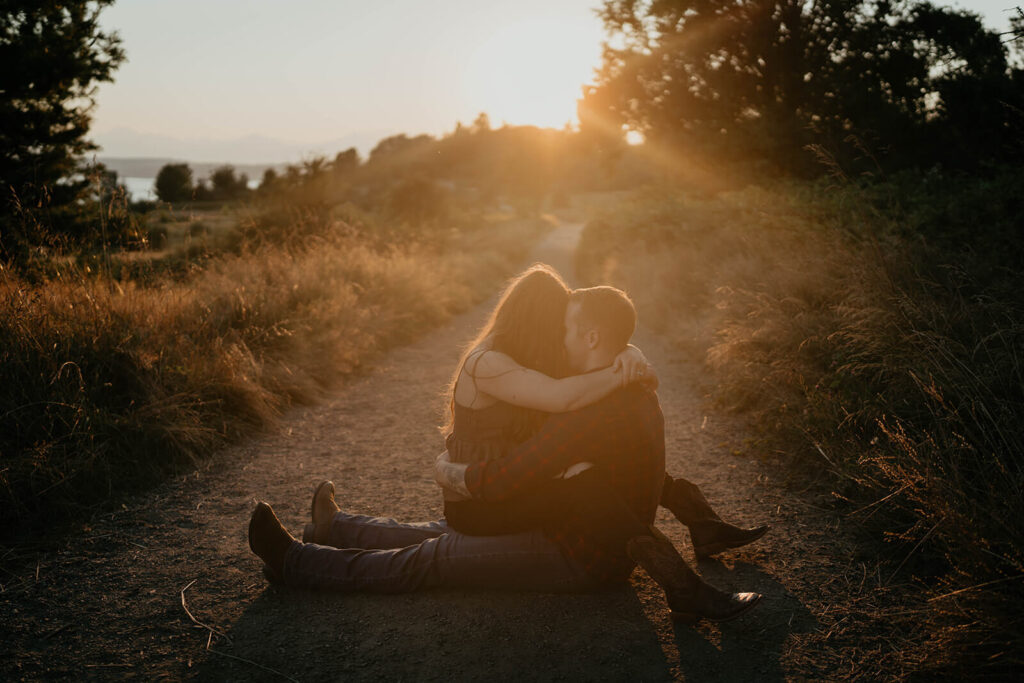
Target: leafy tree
x=269, y=181
x=400, y=148
x=346, y=162
x=767, y=78
x=54, y=54
x=482, y=123
x=226, y=185
x=419, y=201
x=202, y=192
x=601, y=127
x=174, y=183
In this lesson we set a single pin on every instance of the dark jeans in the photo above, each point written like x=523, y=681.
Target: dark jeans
x=597, y=508
x=378, y=555
x=493, y=545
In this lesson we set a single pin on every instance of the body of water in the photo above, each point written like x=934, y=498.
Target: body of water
x=142, y=188
x=139, y=188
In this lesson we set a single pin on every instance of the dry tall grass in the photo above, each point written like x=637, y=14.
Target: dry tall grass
x=106, y=385
x=837, y=322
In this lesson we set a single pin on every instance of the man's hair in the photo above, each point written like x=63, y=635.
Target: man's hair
x=608, y=310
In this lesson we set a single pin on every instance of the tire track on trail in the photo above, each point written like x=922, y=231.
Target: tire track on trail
x=110, y=602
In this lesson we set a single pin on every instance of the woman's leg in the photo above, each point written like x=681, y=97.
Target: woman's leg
x=709, y=533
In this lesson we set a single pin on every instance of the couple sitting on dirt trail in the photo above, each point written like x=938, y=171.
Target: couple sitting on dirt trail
x=549, y=484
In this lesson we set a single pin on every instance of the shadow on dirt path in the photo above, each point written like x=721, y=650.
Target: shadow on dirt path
x=112, y=602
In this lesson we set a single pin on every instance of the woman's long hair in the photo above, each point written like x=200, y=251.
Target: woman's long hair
x=528, y=325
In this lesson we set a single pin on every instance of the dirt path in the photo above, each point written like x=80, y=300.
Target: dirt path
x=109, y=604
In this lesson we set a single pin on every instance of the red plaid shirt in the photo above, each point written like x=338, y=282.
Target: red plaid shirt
x=623, y=433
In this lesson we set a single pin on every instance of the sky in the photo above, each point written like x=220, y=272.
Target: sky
x=254, y=81
x=315, y=71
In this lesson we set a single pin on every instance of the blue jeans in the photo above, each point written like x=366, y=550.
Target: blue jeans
x=379, y=555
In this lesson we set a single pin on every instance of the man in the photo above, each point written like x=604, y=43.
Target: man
x=621, y=437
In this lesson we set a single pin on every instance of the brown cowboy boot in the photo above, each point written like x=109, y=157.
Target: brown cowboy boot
x=689, y=597
x=708, y=532
x=322, y=511
x=269, y=540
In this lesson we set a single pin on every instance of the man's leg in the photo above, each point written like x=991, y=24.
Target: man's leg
x=378, y=533
x=526, y=561
x=332, y=527
x=708, y=532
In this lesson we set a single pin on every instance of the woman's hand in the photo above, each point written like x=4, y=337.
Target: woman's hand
x=650, y=378
x=632, y=364
x=450, y=476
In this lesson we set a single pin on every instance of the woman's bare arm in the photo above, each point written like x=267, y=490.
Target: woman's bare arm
x=497, y=375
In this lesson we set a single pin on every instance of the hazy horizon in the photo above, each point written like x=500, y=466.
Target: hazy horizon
x=322, y=71
x=251, y=149
x=254, y=83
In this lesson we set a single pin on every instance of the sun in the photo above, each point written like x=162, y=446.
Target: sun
x=530, y=72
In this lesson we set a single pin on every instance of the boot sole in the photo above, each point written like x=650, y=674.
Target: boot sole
x=710, y=549
x=692, y=618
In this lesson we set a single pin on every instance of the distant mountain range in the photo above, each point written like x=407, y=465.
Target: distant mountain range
x=251, y=151
x=148, y=167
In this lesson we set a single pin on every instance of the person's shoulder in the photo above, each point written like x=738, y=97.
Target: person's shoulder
x=483, y=362
x=639, y=396
x=643, y=408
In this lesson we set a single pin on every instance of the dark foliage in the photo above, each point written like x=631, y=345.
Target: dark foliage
x=226, y=185
x=869, y=83
x=54, y=53
x=174, y=183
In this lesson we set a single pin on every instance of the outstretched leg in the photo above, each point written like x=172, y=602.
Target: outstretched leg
x=337, y=529
x=709, y=533
x=526, y=561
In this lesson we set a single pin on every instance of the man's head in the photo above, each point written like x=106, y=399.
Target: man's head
x=599, y=322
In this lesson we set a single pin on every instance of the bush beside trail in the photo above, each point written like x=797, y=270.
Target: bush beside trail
x=872, y=333
x=107, y=384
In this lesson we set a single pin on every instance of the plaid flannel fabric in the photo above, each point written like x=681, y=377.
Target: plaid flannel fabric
x=623, y=433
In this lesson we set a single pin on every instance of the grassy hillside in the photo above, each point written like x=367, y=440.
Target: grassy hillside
x=872, y=334
x=115, y=372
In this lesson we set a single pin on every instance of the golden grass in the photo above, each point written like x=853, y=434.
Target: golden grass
x=108, y=385
x=833, y=321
